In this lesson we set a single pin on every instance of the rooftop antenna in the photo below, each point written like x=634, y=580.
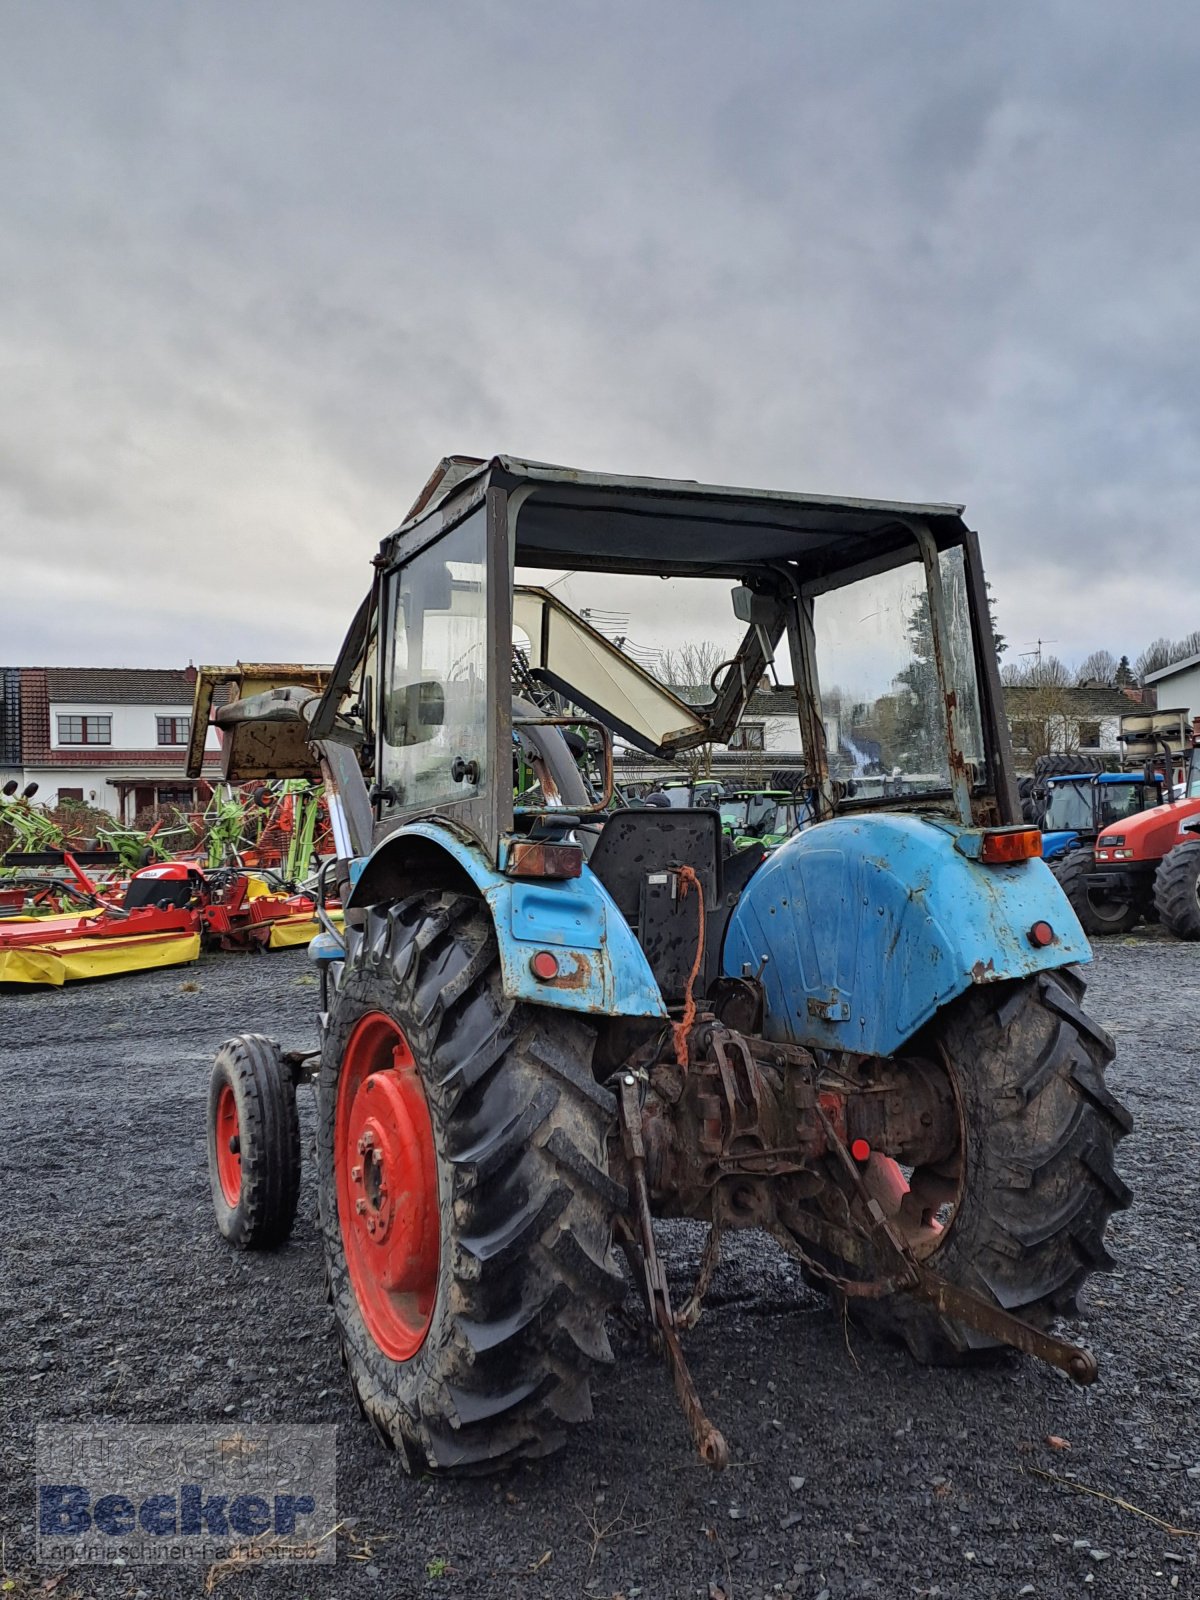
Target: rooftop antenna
x=1038, y=651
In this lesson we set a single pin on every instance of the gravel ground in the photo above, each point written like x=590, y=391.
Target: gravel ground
x=855, y=1472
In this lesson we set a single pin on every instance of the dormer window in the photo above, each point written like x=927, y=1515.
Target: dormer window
x=85, y=730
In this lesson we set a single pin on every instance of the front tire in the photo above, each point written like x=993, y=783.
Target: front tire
x=1096, y=912
x=470, y=1346
x=1035, y=1181
x=1177, y=890
x=253, y=1143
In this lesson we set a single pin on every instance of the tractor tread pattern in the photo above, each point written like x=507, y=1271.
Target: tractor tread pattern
x=1042, y=1183
x=1176, y=886
x=269, y=1136
x=1070, y=870
x=527, y=1269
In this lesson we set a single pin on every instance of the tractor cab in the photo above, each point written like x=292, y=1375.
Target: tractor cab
x=1080, y=806
x=452, y=666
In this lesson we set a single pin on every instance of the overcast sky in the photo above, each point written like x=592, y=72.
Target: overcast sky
x=262, y=265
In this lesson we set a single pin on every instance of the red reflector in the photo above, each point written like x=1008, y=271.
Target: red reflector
x=544, y=965
x=1018, y=844
x=860, y=1149
x=1041, y=934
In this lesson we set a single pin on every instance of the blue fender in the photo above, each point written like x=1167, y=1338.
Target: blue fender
x=1057, y=844
x=602, y=968
x=870, y=924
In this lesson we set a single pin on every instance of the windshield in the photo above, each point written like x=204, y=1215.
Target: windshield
x=1070, y=807
x=885, y=721
x=1121, y=800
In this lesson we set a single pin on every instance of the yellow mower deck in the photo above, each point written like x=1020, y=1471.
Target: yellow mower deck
x=69, y=960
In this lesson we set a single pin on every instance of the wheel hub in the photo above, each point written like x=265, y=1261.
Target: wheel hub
x=387, y=1187
x=229, y=1146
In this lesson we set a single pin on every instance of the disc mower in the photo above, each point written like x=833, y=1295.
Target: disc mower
x=548, y=1023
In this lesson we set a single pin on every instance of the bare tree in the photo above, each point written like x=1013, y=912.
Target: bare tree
x=690, y=665
x=1047, y=673
x=1159, y=654
x=1042, y=709
x=1100, y=666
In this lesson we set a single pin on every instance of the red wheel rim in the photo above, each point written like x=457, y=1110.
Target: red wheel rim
x=229, y=1150
x=387, y=1189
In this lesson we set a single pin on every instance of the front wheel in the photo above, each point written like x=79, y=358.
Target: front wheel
x=1098, y=911
x=253, y=1143
x=1177, y=890
x=1019, y=1211
x=466, y=1207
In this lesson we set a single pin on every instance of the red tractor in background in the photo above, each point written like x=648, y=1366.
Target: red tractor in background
x=1147, y=865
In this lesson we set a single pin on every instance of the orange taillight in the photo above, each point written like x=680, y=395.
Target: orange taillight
x=1006, y=845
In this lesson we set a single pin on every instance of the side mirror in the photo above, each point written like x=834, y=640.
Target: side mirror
x=749, y=607
x=413, y=713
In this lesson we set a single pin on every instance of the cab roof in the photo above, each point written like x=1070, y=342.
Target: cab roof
x=610, y=522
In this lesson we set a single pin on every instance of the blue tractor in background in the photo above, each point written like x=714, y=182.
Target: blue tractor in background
x=1080, y=805
x=550, y=1021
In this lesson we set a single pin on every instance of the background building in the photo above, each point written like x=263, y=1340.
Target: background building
x=112, y=737
x=1177, y=687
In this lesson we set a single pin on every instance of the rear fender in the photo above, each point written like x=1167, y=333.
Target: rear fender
x=869, y=925
x=602, y=969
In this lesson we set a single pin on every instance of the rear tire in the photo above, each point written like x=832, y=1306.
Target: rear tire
x=1177, y=890
x=253, y=1143
x=1038, y=1184
x=1065, y=766
x=522, y=1270
x=1095, y=913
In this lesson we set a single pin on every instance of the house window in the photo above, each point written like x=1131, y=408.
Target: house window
x=70, y=794
x=174, y=730
x=1089, y=736
x=85, y=730
x=179, y=795
x=749, y=736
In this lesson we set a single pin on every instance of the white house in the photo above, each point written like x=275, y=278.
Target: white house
x=1177, y=687
x=113, y=737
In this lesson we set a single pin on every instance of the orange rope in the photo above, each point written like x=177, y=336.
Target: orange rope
x=680, y=1029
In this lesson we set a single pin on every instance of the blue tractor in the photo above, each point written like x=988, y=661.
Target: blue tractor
x=548, y=1021
x=1079, y=805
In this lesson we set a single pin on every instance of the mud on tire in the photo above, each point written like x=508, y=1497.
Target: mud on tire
x=252, y=1099
x=1040, y=1127
x=525, y=1273
x=1177, y=890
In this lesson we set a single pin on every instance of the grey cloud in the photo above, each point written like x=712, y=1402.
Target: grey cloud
x=261, y=267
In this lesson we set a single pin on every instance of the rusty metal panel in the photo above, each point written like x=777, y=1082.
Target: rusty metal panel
x=261, y=746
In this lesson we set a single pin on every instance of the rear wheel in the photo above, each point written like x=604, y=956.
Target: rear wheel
x=1177, y=890
x=1019, y=1213
x=253, y=1143
x=1065, y=766
x=1098, y=911
x=466, y=1206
